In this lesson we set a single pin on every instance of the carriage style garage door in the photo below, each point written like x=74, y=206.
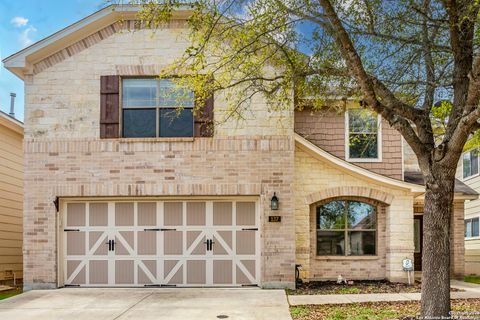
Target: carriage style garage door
x=161, y=243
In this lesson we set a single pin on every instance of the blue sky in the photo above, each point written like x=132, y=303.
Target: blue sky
x=23, y=22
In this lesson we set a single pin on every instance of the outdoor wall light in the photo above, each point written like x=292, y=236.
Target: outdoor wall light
x=274, y=202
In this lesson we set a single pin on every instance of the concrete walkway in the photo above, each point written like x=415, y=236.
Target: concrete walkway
x=471, y=291
x=473, y=287
x=146, y=304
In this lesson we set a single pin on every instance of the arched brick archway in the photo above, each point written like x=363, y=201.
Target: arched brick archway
x=362, y=192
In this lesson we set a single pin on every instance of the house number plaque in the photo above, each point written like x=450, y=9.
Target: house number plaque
x=274, y=218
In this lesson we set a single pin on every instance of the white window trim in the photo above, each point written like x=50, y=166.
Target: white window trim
x=379, y=141
x=474, y=175
x=472, y=237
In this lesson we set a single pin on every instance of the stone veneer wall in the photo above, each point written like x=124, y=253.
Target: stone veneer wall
x=315, y=181
x=326, y=129
x=202, y=167
x=62, y=96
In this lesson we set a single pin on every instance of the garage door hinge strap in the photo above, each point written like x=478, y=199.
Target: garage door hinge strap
x=71, y=229
x=151, y=285
x=250, y=229
x=71, y=285
x=154, y=229
x=168, y=285
x=249, y=285
x=168, y=229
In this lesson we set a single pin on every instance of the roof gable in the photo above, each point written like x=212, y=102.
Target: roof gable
x=75, y=38
x=352, y=169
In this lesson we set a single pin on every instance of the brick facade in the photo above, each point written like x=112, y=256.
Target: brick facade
x=326, y=129
x=64, y=157
x=241, y=166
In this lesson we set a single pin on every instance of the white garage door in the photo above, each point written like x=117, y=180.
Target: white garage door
x=161, y=243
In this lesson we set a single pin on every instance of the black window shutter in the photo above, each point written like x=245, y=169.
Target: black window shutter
x=203, y=122
x=109, y=107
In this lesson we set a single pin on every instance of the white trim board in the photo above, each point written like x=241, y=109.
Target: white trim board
x=379, y=141
x=343, y=165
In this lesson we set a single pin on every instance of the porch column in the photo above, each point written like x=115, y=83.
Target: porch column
x=399, y=237
x=457, y=241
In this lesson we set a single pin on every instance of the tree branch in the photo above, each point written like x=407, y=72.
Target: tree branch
x=354, y=62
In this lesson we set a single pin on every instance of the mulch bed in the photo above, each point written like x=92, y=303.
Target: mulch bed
x=358, y=287
x=405, y=310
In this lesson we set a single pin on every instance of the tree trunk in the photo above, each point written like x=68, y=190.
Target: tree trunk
x=436, y=243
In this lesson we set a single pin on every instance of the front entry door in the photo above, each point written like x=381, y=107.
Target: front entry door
x=418, y=242
x=164, y=243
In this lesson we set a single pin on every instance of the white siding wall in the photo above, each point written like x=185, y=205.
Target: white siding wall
x=472, y=210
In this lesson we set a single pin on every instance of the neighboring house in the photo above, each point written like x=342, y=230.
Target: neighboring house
x=468, y=172
x=120, y=194
x=11, y=198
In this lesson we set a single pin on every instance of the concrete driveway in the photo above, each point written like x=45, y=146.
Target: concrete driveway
x=145, y=304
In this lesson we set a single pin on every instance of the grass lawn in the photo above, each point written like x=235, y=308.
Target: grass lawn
x=9, y=293
x=472, y=279
x=374, y=310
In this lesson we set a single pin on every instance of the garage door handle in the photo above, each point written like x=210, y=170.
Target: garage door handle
x=109, y=245
x=208, y=242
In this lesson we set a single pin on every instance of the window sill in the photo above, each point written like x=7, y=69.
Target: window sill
x=128, y=140
x=470, y=177
x=472, y=238
x=352, y=258
x=360, y=160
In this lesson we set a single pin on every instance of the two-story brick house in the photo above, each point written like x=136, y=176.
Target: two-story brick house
x=119, y=193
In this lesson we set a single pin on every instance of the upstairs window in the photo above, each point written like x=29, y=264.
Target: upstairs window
x=470, y=164
x=156, y=108
x=362, y=136
x=346, y=228
x=472, y=228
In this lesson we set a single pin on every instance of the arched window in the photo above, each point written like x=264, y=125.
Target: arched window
x=346, y=228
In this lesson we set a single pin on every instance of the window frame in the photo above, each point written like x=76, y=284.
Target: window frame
x=379, y=157
x=464, y=178
x=157, y=108
x=472, y=237
x=346, y=230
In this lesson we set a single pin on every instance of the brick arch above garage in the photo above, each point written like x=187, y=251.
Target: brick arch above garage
x=349, y=191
